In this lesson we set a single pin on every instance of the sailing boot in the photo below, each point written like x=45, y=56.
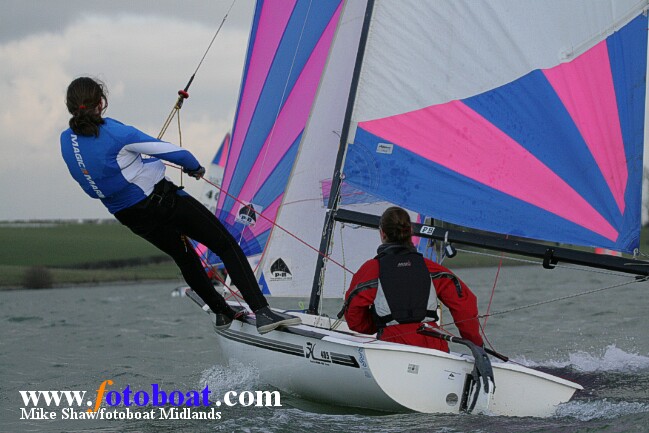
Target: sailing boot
x=224, y=320
x=267, y=320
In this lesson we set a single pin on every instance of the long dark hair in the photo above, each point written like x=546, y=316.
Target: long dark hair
x=86, y=101
x=395, y=223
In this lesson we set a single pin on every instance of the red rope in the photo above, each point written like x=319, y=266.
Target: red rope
x=238, y=296
x=493, y=290
x=203, y=258
x=272, y=222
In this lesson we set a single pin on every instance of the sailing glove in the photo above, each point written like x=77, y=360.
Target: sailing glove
x=197, y=173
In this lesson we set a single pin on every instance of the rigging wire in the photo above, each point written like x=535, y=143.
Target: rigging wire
x=549, y=301
x=180, y=143
x=342, y=250
x=183, y=94
x=493, y=291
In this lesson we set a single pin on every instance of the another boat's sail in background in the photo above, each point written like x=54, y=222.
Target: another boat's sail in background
x=517, y=117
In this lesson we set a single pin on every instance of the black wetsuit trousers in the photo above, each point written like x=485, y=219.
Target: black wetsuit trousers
x=164, y=221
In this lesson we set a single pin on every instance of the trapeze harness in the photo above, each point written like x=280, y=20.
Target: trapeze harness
x=405, y=292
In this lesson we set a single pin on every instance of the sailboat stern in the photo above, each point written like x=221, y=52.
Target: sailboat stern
x=437, y=382
x=521, y=391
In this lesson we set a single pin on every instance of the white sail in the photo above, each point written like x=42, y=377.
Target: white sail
x=303, y=209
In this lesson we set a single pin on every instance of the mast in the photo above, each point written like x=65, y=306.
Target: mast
x=316, y=290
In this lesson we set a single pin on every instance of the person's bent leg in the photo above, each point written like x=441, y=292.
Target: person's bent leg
x=165, y=238
x=199, y=224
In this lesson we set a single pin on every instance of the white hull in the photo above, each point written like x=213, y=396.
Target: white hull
x=347, y=369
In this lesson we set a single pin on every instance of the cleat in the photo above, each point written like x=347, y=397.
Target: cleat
x=267, y=320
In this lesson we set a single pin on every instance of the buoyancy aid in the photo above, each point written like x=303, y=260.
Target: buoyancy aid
x=405, y=292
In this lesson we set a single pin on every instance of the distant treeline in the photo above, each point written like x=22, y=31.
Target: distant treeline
x=119, y=263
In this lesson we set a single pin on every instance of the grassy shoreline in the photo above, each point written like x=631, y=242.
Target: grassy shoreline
x=14, y=277
x=73, y=253
x=70, y=253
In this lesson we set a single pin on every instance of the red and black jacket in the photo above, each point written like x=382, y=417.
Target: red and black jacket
x=451, y=291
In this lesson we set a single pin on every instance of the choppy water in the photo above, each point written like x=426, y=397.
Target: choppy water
x=74, y=338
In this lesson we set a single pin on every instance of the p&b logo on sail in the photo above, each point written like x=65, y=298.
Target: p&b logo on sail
x=247, y=214
x=280, y=271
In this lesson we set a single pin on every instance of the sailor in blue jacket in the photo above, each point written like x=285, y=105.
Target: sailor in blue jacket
x=105, y=157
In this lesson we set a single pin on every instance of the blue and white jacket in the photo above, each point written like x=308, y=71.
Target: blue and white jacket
x=111, y=168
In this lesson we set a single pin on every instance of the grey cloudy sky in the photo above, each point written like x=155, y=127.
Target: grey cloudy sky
x=144, y=50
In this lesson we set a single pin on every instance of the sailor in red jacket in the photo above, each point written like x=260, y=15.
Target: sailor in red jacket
x=399, y=289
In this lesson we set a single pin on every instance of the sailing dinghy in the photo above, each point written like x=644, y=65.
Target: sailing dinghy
x=520, y=119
